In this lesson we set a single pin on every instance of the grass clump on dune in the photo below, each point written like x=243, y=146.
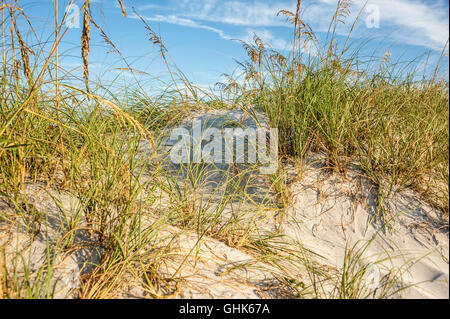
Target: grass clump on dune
x=71, y=135
x=376, y=114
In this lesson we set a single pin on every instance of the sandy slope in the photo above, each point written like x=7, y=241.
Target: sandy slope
x=327, y=212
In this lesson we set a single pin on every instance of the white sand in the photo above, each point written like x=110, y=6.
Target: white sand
x=326, y=213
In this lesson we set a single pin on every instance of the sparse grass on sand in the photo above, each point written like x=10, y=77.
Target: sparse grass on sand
x=73, y=136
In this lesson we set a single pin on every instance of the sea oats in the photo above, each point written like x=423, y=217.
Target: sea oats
x=85, y=38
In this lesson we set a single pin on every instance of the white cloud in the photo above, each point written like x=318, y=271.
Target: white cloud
x=266, y=35
x=417, y=23
x=422, y=23
x=253, y=13
x=172, y=19
x=268, y=38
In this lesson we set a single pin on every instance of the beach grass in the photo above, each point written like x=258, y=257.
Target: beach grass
x=74, y=136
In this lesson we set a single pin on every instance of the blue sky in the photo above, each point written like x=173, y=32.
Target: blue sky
x=199, y=33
